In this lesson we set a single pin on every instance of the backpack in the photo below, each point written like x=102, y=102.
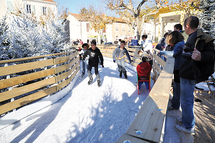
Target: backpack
x=203, y=71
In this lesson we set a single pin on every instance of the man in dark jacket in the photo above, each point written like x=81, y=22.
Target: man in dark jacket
x=198, y=51
x=94, y=56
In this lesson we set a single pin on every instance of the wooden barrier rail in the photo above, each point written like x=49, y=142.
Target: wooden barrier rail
x=148, y=125
x=51, y=74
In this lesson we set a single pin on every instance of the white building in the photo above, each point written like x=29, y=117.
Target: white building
x=81, y=29
x=35, y=7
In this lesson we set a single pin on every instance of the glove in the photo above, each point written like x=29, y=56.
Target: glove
x=114, y=61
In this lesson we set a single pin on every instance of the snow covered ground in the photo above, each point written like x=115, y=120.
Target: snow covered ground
x=87, y=114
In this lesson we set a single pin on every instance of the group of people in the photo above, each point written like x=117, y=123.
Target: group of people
x=193, y=51
x=194, y=62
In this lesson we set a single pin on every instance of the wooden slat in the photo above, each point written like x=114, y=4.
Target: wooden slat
x=137, y=60
x=25, y=78
x=25, y=89
x=64, y=59
x=25, y=67
x=157, y=67
x=65, y=67
x=66, y=74
x=126, y=137
x=63, y=84
x=155, y=72
x=166, y=77
x=150, y=119
x=159, y=60
x=29, y=58
x=27, y=99
x=133, y=49
x=107, y=55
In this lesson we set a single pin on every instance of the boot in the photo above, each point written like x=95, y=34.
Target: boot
x=98, y=80
x=120, y=74
x=91, y=78
x=125, y=75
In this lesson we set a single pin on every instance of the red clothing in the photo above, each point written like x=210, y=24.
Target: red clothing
x=144, y=69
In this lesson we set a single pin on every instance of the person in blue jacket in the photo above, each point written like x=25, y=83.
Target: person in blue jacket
x=119, y=55
x=175, y=39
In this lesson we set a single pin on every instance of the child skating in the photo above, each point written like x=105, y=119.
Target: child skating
x=119, y=56
x=94, y=56
x=85, y=46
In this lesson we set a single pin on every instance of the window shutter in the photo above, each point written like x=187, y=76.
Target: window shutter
x=10, y=7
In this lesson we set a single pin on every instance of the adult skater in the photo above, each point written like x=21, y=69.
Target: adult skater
x=119, y=55
x=94, y=56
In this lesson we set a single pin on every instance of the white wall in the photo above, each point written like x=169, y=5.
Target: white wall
x=38, y=4
x=3, y=8
x=109, y=33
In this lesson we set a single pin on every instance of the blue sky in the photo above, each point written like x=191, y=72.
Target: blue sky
x=74, y=6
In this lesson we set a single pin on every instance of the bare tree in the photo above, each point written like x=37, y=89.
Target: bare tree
x=120, y=5
x=98, y=20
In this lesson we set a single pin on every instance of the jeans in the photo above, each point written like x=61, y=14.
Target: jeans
x=176, y=95
x=146, y=84
x=176, y=91
x=83, y=67
x=89, y=68
x=187, y=102
x=121, y=65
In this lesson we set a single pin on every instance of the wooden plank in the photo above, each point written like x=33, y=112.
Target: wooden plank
x=66, y=74
x=159, y=60
x=25, y=78
x=25, y=67
x=65, y=67
x=137, y=60
x=64, y=59
x=166, y=77
x=126, y=137
x=157, y=67
x=150, y=118
x=63, y=84
x=133, y=49
x=27, y=99
x=25, y=89
x=155, y=72
x=29, y=58
x=107, y=55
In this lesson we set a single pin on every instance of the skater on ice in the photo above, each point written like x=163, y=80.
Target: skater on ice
x=94, y=56
x=119, y=55
x=85, y=46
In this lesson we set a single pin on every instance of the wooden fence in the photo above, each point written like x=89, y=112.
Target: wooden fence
x=28, y=79
x=149, y=123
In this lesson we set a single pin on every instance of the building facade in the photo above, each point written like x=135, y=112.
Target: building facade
x=37, y=8
x=81, y=29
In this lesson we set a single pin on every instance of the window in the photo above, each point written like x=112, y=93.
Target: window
x=28, y=8
x=44, y=10
x=88, y=27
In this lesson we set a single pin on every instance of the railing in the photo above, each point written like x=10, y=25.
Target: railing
x=29, y=79
x=148, y=125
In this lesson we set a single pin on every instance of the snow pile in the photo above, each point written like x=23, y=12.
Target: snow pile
x=23, y=36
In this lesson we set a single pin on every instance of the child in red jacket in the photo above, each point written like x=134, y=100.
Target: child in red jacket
x=144, y=70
